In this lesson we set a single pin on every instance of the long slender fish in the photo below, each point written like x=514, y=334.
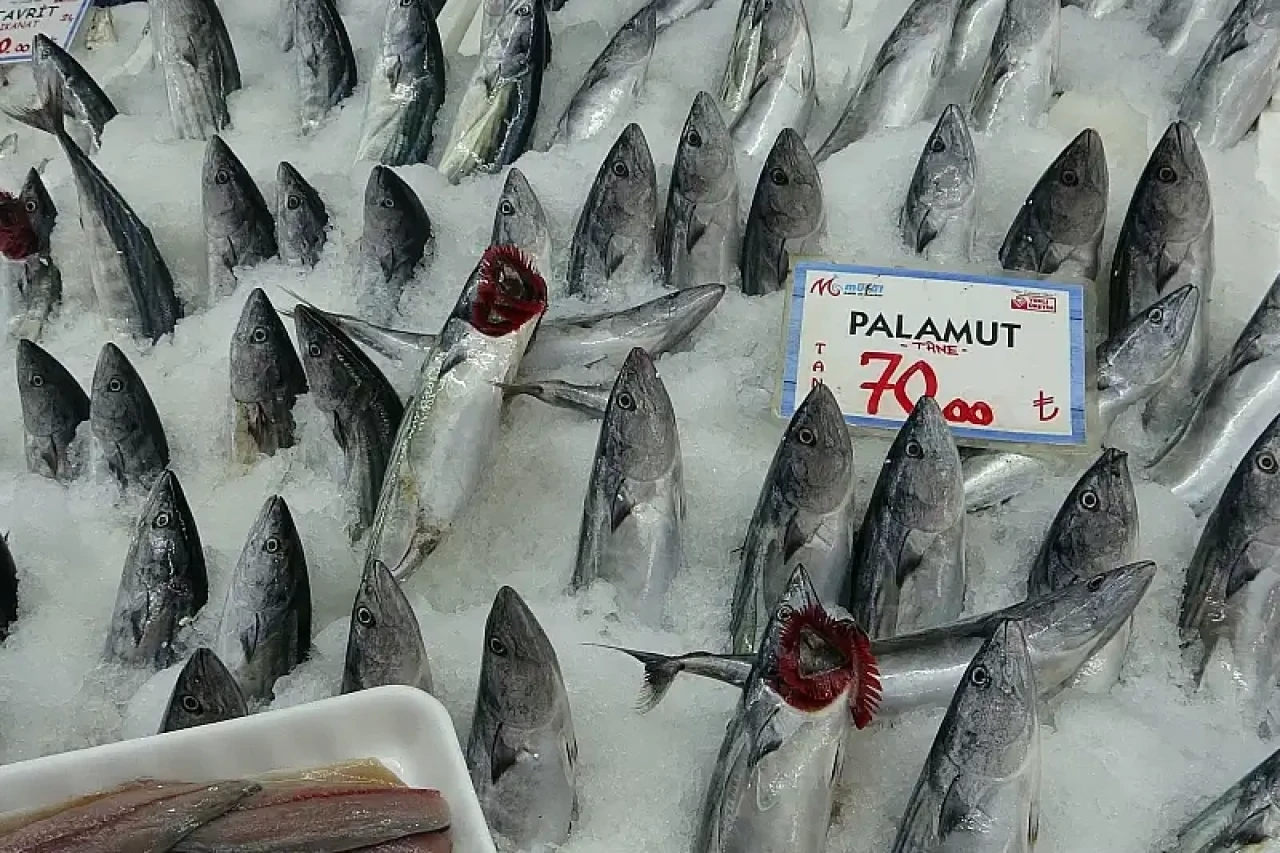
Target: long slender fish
x=450, y=425
x=804, y=516
x=266, y=380
x=614, y=81
x=1019, y=77
x=81, y=95
x=1235, y=78
x=205, y=692
x=768, y=81
x=635, y=503
x=53, y=407
x=787, y=215
x=937, y=217
x=406, y=88
x=384, y=643
x=899, y=85
x=302, y=222
x=1240, y=401
x=265, y=629
x=520, y=221
x=980, y=786
x=124, y=421
x=397, y=236
x=198, y=62
x=908, y=568
x=1234, y=576
x=1243, y=818
x=164, y=582
x=522, y=752
x=238, y=225
x=324, y=60
x=495, y=118
x=701, y=240
x=615, y=240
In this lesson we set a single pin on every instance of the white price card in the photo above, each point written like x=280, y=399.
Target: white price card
x=1004, y=357
x=21, y=20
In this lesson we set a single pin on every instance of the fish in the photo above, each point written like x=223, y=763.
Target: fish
x=520, y=221
x=1235, y=77
x=82, y=97
x=8, y=588
x=384, y=644
x=921, y=670
x=773, y=786
x=164, y=583
x=590, y=400
x=205, y=692
x=937, y=217
x=499, y=106
x=613, y=82
x=635, y=505
x=302, y=221
x=971, y=37
x=1019, y=77
x=668, y=12
x=701, y=239
x=992, y=477
x=522, y=753
x=41, y=211
x=131, y=281
x=908, y=569
x=1232, y=579
x=53, y=407
x=1235, y=408
x=1172, y=21
x=198, y=62
x=805, y=515
x=787, y=215
x=899, y=85
x=406, y=88
x=324, y=61
x=141, y=816
x=980, y=785
x=397, y=236
x=1058, y=230
x=266, y=381
x=238, y=224
x=1166, y=242
x=124, y=421
x=450, y=425
x=614, y=241
x=38, y=282
x=364, y=409
x=265, y=630
x=768, y=81
x=1242, y=818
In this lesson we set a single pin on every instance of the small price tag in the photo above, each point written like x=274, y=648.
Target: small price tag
x=1004, y=357
x=21, y=20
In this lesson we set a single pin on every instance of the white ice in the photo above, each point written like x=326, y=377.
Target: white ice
x=1120, y=770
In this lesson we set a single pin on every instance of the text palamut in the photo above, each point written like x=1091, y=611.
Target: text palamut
x=986, y=333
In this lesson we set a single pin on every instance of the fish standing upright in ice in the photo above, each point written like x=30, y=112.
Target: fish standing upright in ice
x=53, y=407
x=937, y=218
x=396, y=238
x=266, y=381
x=124, y=421
x=196, y=57
x=238, y=224
x=302, y=222
x=613, y=81
x=41, y=211
x=1019, y=77
x=323, y=58
x=81, y=95
x=520, y=221
x=205, y=692
x=787, y=215
x=384, y=643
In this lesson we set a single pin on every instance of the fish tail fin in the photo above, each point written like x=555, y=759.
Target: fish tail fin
x=659, y=672
x=515, y=389
x=47, y=115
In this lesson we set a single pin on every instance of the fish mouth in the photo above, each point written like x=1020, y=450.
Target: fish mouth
x=821, y=658
x=511, y=291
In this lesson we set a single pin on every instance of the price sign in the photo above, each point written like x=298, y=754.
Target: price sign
x=1005, y=358
x=21, y=20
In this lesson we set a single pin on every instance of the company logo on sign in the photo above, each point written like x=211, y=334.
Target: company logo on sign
x=1041, y=302
x=827, y=286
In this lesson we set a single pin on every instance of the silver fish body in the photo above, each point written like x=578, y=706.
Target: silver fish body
x=53, y=407
x=786, y=217
x=937, y=217
x=668, y=12
x=613, y=81
x=1173, y=20
x=81, y=94
x=384, y=643
x=1018, y=78
x=635, y=504
x=266, y=380
x=1245, y=817
x=302, y=222
x=992, y=477
x=195, y=55
x=701, y=239
x=323, y=58
x=397, y=237
x=520, y=221
x=238, y=224
x=971, y=38
x=205, y=692
x=124, y=421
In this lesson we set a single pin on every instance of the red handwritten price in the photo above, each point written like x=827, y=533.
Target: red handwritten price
x=958, y=411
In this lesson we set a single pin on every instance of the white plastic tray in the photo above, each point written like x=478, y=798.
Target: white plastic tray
x=405, y=728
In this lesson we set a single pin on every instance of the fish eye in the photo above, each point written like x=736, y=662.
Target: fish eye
x=1069, y=178
x=1155, y=316
x=293, y=202
x=191, y=704
x=1166, y=175
x=162, y=519
x=805, y=436
x=1095, y=583
x=914, y=450
x=620, y=169
x=1266, y=462
x=1089, y=499
x=37, y=381
x=693, y=139
x=364, y=616
x=506, y=208
x=524, y=10
x=387, y=202
x=272, y=545
x=779, y=177
x=222, y=176
x=259, y=335
x=114, y=384
x=979, y=677
x=498, y=647
x=937, y=145
x=313, y=350
x=31, y=205
x=785, y=611
x=626, y=402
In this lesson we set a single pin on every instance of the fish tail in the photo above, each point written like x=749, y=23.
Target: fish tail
x=659, y=673
x=515, y=389
x=47, y=116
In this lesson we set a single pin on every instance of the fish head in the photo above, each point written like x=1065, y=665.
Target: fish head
x=18, y=237
x=992, y=722
x=519, y=42
x=1099, y=517
x=789, y=192
x=1255, y=484
x=205, y=692
x=262, y=361
x=814, y=468
x=1173, y=197
x=505, y=293
x=946, y=175
x=1083, y=616
x=923, y=485
x=639, y=427
x=327, y=356
x=273, y=554
x=404, y=25
x=227, y=187
x=393, y=213
x=1070, y=200
x=784, y=30
x=705, y=169
x=383, y=626
x=168, y=528
x=822, y=660
x=35, y=196
x=119, y=400
x=626, y=184
x=1146, y=350
x=797, y=595
x=50, y=396
x=519, y=219
x=519, y=672
x=633, y=43
x=298, y=205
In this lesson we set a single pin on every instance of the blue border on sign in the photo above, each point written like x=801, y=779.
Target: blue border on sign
x=84, y=7
x=1075, y=316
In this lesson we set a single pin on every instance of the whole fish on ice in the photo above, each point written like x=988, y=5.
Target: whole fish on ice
x=613, y=81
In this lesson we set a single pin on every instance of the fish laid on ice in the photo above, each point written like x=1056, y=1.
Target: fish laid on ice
x=266, y=380
x=124, y=421
x=1018, y=78
x=613, y=81
x=53, y=407
x=384, y=643
x=397, y=236
x=324, y=60
x=205, y=692
x=786, y=217
x=302, y=222
x=520, y=221
x=198, y=62
x=238, y=224
x=937, y=218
